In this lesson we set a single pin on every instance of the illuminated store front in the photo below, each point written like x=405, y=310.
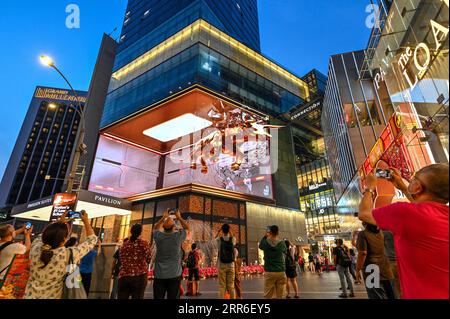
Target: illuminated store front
x=316, y=194
x=404, y=73
x=410, y=68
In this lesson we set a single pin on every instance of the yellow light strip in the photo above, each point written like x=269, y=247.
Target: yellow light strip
x=170, y=42
x=249, y=52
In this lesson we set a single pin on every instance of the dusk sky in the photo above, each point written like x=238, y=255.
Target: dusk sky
x=299, y=34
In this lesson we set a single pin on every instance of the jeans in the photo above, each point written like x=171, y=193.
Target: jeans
x=226, y=280
x=169, y=287
x=133, y=286
x=344, y=274
x=384, y=292
x=274, y=283
x=353, y=271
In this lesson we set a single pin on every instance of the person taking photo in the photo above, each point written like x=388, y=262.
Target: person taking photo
x=420, y=229
x=168, y=260
x=49, y=258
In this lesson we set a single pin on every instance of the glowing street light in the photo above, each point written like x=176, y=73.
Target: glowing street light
x=47, y=61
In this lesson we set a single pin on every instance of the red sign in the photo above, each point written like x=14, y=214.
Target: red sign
x=63, y=203
x=390, y=148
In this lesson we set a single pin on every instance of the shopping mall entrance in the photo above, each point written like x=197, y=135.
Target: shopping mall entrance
x=110, y=216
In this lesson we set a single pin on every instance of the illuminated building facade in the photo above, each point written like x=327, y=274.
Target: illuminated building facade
x=316, y=192
x=191, y=121
x=388, y=105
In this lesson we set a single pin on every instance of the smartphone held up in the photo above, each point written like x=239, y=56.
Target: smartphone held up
x=383, y=173
x=74, y=215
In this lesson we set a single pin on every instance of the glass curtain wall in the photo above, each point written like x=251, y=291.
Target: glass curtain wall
x=412, y=68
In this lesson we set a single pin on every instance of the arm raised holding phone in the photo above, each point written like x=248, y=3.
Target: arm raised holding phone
x=183, y=223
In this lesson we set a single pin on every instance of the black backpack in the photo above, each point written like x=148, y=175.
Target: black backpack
x=191, y=260
x=226, y=251
x=344, y=258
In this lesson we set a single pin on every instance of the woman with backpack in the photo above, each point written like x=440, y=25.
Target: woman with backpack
x=291, y=270
x=192, y=263
x=343, y=263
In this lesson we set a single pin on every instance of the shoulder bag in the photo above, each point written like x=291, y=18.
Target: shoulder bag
x=72, y=285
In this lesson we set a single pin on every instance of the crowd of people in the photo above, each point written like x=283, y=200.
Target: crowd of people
x=53, y=252
x=394, y=256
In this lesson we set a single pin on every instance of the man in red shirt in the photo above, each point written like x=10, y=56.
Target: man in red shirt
x=420, y=229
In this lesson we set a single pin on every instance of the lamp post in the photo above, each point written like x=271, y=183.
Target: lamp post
x=80, y=146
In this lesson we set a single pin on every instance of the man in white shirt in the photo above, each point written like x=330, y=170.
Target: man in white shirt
x=8, y=249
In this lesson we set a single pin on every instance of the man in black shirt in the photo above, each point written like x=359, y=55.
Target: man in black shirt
x=343, y=262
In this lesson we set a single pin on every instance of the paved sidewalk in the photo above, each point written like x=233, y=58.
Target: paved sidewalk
x=311, y=286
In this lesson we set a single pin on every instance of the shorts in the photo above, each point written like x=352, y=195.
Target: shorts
x=194, y=274
x=291, y=273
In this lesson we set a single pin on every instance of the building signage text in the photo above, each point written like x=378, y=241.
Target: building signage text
x=440, y=33
x=316, y=186
x=54, y=94
x=108, y=200
x=308, y=109
x=39, y=203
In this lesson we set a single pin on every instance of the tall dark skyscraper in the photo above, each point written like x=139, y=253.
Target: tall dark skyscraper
x=149, y=22
x=43, y=148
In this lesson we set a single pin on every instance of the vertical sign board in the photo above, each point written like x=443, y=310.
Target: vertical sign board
x=63, y=203
x=390, y=147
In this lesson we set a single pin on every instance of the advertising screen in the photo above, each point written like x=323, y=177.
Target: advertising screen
x=63, y=203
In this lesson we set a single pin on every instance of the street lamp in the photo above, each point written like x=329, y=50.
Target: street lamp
x=46, y=60
x=80, y=146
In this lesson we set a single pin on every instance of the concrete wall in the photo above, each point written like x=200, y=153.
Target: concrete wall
x=98, y=90
x=291, y=223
